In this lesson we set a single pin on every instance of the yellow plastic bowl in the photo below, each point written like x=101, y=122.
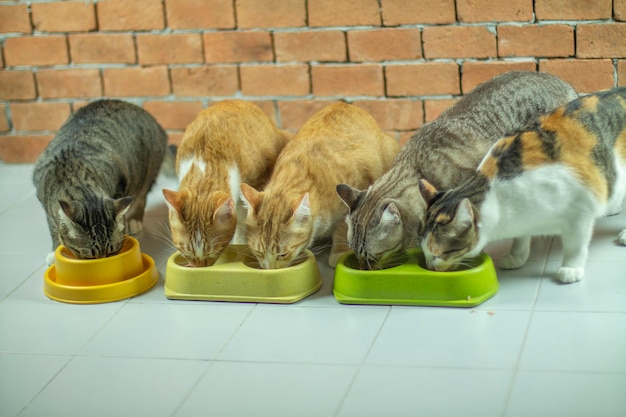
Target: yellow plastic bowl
x=92, y=281
x=72, y=271
x=412, y=284
x=235, y=278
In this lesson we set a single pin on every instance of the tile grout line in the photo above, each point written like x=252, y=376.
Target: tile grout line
x=360, y=367
x=515, y=368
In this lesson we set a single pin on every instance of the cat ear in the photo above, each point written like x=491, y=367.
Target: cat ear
x=122, y=205
x=464, y=213
x=391, y=215
x=302, y=209
x=225, y=213
x=349, y=195
x=173, y=199
x=68, y=210
x=250, y=196
x=427, y=190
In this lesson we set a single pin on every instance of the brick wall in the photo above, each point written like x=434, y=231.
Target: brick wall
x=403, y=60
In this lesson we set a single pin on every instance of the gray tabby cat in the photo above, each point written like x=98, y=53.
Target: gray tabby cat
x=385, y=219
x=97, y=171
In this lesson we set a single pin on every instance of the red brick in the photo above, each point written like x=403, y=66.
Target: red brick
x=130, y=14
x=270, y=13
x=4, y=122
x=173, y=114
x=472, y=11
x=384, y=44
x=606, y=40
x=65, y=16
x=344, y=13
x=200, y=14
x=403, y=12
x=621, y=73
x=235, y=47
x=97, y=48
x=213, y=80
x=572, y=9
x=22, y=148
x=475, y=73
x=129, y=82
x=403, y=137
x=536, y=40
x=39, y=116
x=347, y=80
x=169, y=49
x=36, y=50
x=423, y=79
x=433, y=108
x=14, y=18
x=619, y=9
x=458, y=42
x=293, y=114
x=395, y=114
x=17, y=85
x=69, y=83
x=585, y=75
x=275, y=80
x=306, y=46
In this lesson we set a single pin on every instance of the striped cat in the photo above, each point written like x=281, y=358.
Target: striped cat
x=385, y=219
x=93, y=178
x=231, y=142
x=555, y=178
x=341, y=143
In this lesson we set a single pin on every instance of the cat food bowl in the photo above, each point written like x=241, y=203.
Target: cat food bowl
x=91, y=281
x=412, y=284
x=236, y=277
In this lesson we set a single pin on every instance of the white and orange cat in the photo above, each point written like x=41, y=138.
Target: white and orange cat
x=340, y=144
x=230, y=142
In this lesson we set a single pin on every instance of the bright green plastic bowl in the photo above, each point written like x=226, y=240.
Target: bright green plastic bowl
x=412, y=284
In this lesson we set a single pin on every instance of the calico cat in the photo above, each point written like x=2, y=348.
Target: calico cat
x=554, y=178
x=385, y=219
x=230, y=142
x=93, y=178
x=341, y=143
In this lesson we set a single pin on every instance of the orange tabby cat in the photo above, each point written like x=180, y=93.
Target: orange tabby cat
x=231, y=142
x=340, y=144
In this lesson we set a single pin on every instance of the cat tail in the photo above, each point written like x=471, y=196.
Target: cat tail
x=168, y=167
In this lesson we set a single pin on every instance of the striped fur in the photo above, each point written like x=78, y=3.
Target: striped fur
x=105, y=155
x=556, y=177
x=230, y=142
x=385, y=219
x=340, y=144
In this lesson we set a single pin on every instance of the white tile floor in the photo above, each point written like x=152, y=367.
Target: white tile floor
x=536, y=349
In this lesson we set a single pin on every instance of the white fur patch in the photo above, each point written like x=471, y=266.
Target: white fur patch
x=185, y=165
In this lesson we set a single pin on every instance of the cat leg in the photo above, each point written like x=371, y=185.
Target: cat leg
x=518, y=255
x=340, y=243
x=575, y=240
x=621, y=238
x=239, y=238
x=54, y=235
x=134, y=216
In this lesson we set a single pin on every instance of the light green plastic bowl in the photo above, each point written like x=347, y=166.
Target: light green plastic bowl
x=234, y=278
x=412, y=284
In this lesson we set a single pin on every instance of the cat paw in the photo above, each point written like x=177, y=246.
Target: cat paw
x=621, y=238
x=512, y=262
x=50, y=258
x=135, y=226
x=567, y=274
